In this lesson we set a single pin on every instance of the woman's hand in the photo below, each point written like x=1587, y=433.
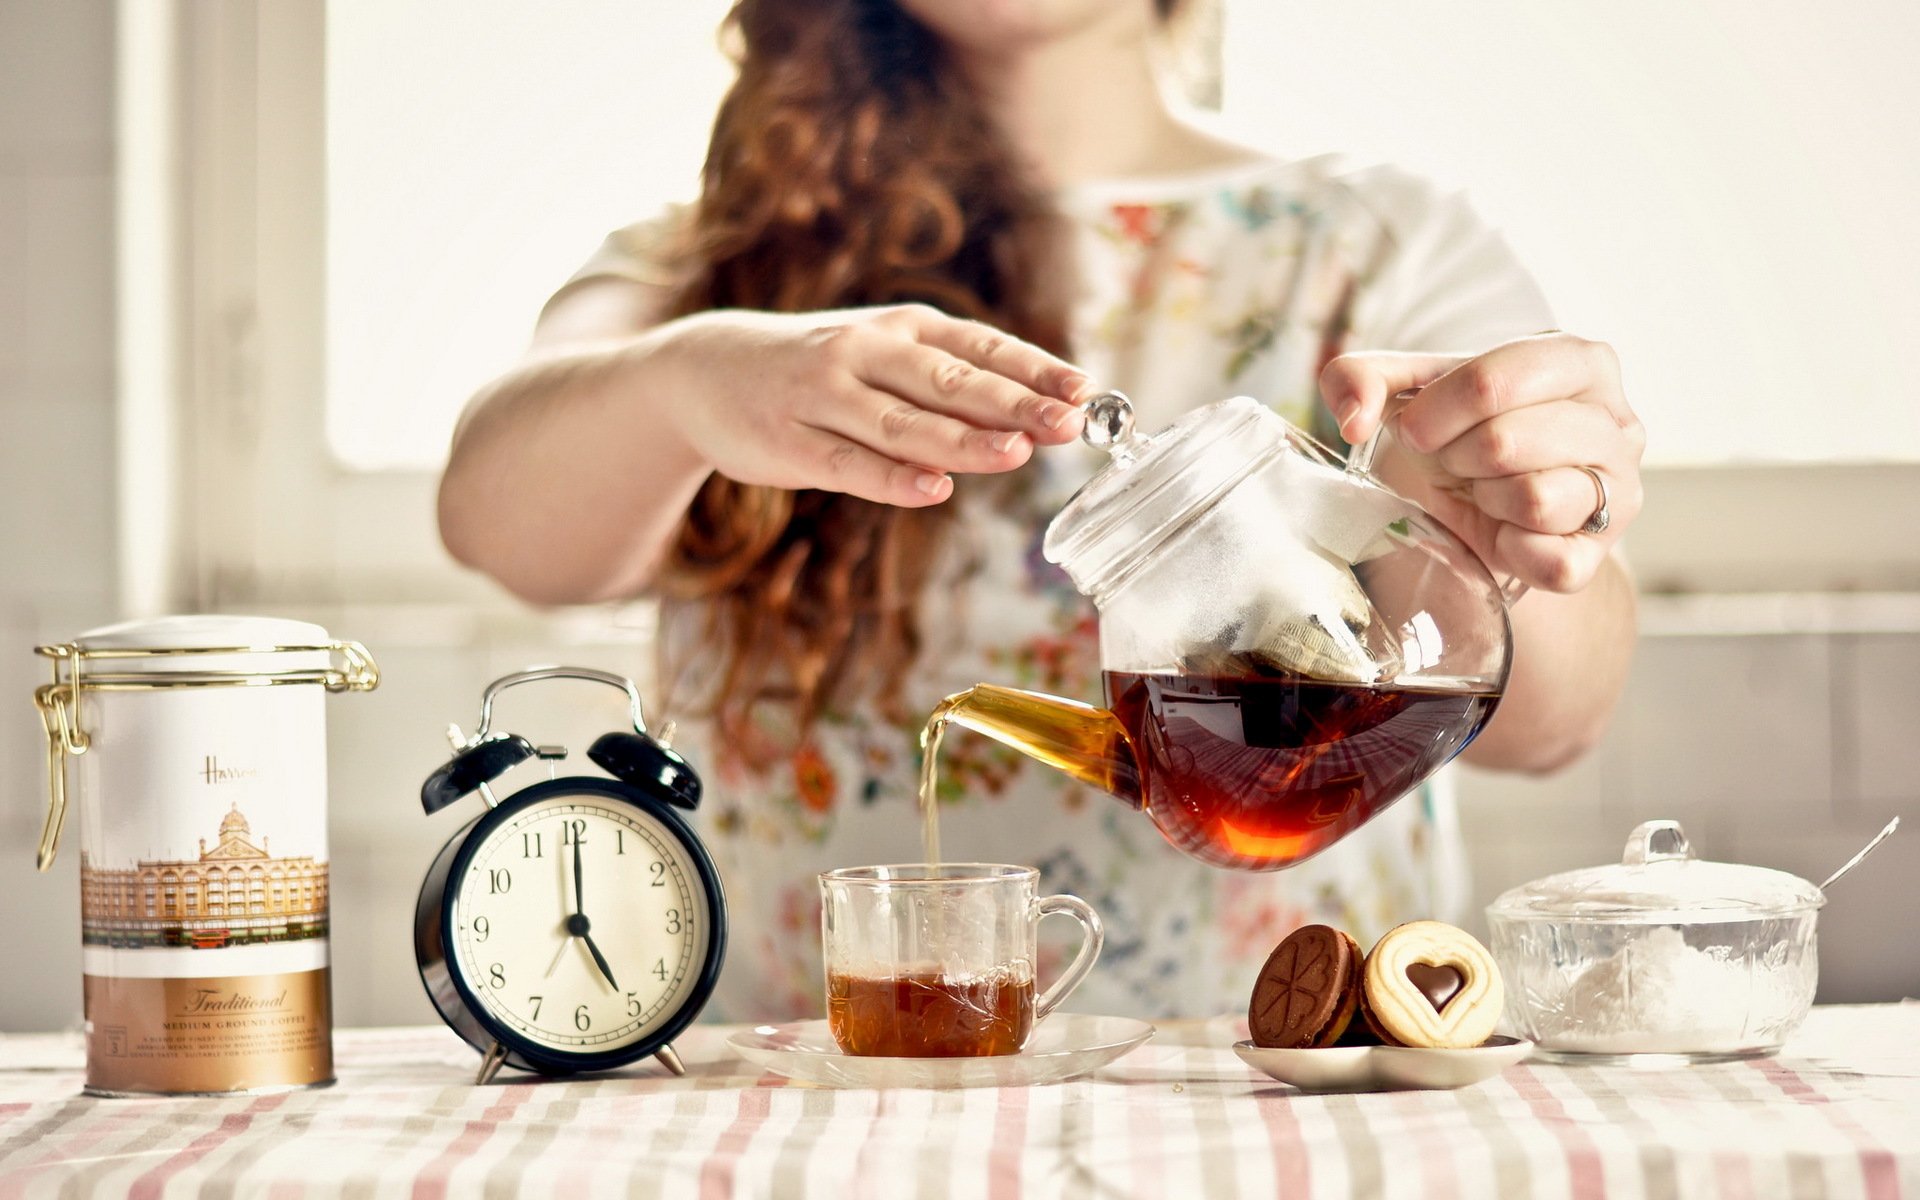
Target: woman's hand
x=1493, y=446
x=881, y=403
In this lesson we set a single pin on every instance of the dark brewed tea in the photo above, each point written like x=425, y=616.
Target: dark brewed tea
x=1241, y=766
x=930, y=1015
x=1258, y=770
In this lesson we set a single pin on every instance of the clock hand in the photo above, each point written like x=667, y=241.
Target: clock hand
x=577, y=924
x=572, y=920
x=599, y=960
x=579, y=897
x=555, y=964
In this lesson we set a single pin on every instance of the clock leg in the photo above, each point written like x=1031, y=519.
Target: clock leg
x=671, y=1061
x=490, y=1065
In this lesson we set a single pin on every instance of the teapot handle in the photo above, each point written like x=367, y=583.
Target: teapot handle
x=1360, y=463
x=1360, y=457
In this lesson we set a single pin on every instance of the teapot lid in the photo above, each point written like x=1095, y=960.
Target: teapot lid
x=1154, y=485
x=1659, y=881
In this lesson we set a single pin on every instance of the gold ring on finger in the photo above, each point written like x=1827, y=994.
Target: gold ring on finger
x=1598, y=522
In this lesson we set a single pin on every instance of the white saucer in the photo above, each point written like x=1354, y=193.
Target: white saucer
x=1064, y=1046
x=1384, y=1068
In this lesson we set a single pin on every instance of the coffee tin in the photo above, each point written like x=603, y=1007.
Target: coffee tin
x=194, y=751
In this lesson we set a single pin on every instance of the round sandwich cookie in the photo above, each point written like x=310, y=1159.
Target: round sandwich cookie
x=1307, y=992
x=1431, y=984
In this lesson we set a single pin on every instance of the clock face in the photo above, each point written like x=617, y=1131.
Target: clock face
x=583, y=969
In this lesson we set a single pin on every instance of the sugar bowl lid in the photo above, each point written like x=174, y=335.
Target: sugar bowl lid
x=1659, y=881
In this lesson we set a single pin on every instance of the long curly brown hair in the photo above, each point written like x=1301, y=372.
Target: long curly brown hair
x=850, y=165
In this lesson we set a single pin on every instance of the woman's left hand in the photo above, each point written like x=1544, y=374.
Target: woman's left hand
x=1494, y=447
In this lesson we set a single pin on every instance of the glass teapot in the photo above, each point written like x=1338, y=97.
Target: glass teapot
x=1287, y=646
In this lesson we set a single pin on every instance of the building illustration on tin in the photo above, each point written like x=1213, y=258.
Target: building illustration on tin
x=233, y=894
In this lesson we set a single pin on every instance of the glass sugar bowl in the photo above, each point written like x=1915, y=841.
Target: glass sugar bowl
x=1661, y=954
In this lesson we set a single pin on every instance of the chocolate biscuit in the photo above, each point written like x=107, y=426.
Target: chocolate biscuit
x=1308, y=990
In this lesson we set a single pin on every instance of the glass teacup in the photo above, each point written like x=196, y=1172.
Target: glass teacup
x=938, y=961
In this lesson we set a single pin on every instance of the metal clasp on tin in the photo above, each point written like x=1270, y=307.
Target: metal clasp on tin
x=59, y=701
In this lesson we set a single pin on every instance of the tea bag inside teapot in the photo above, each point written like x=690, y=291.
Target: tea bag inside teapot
x=1301, y=610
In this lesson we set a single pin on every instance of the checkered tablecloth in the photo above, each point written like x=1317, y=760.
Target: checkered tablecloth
x=1837, y=1115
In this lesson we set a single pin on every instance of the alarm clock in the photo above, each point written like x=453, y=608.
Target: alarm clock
x=577, y=924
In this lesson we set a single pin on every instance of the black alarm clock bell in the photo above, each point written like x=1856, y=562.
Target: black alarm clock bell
x=578, y=923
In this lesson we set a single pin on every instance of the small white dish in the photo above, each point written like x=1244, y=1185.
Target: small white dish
x=1384, y=1068
x=1064, y=1046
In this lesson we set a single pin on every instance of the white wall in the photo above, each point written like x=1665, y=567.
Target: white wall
x=56, y=444
x=1722, y=188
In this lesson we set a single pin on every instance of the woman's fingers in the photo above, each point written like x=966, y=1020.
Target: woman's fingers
x=1507, y=379
x=1556, y=434
x=1558, y=500
x=932, y=378
x=1458, y=393
x=905, y=432
x=1500, y=440
x=833, y=463
x=1356, y=387
x=1549, y=561
x=1001, y=353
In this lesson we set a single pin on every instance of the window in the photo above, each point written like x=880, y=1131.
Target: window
x=575, y=118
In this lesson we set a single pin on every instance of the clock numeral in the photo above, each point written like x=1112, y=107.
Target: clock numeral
x=530, y=846
x=482, y=928
x=535, y=1001
x=498, y=974
x=675, y=923
x=499, y=881
x=581, y=1020
x=620, y=841
x=573, y=832
x=660, y=970
x=659, y=870
x=633, y=1004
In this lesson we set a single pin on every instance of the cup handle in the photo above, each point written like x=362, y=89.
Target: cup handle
x=1096, y=936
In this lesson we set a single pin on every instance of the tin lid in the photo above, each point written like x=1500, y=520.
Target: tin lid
x=202, y=631
x=188, y=644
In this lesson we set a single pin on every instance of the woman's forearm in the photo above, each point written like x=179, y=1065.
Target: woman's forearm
x=571, y=474
x=566, y=481
x=1570, y=659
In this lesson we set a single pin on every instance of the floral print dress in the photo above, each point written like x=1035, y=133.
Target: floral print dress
x=1190, y=289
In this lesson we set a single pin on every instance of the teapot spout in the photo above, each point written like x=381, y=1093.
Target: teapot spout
x=1087, y=743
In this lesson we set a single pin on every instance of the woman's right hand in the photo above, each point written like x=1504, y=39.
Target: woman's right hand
x=880, y=403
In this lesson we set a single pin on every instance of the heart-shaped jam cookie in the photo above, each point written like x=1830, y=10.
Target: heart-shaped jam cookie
x=1428, y=983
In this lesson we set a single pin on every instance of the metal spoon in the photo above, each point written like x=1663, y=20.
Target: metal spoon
x=1865, y=850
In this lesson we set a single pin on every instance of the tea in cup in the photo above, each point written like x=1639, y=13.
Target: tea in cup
x=936, y=961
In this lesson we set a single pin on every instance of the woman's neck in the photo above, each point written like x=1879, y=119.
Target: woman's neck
x=1088, y=105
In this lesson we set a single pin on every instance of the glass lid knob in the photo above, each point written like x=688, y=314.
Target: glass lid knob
x=1109, y=424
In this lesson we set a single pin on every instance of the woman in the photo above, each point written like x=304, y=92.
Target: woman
x=825, y=413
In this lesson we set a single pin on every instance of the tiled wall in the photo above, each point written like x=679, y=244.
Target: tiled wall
x=56, y=439
x=1787, y=751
